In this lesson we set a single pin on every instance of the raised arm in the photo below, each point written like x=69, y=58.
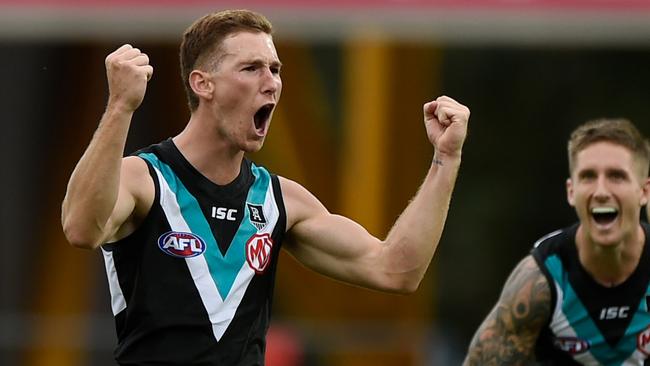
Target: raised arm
x=340, y=248
x=106, y=194
x=509, y=333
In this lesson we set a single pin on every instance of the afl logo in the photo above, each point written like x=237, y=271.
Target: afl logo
x=258, y=252
x=571, y=345
x=181, y=245
x=643, y=342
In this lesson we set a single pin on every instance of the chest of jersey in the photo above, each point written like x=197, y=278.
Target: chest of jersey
x=194, y=283
x=596, y=325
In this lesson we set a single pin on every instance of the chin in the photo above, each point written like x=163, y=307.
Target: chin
x=607, y=243
x=606, y=240
x=253, y=147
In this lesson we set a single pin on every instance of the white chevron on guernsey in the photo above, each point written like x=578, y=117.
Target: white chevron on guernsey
x=220, y=311
x=118, y=303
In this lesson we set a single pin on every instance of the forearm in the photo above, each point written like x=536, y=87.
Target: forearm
x=413, y=239
x=93, y=187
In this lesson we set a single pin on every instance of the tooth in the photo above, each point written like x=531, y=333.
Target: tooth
x=603, y=210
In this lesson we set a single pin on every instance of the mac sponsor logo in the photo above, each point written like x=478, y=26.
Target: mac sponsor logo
x=643, y=341
x=258, y=252
x=181, y=245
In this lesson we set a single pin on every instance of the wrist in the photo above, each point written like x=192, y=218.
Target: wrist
x=443, y=159
x=118, y=106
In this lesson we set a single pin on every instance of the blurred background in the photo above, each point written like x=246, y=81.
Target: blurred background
x=349, y=128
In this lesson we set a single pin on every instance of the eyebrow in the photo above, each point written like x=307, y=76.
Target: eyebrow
x=616, y=171
x=588, y=171
x=259, y=61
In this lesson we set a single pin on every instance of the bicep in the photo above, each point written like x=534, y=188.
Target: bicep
x=330, y=244
x=509, y=333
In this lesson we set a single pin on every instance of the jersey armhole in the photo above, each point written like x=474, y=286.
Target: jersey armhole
x=279, y=199
x=551, y=285
x=154, y=177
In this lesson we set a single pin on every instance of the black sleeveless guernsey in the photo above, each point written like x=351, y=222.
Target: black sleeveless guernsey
x=591, y=324
x=193, y=284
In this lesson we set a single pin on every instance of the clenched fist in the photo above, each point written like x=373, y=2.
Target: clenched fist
x=446, y=123
x=128, y=72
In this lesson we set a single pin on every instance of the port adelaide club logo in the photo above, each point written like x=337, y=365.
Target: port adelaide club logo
x=181, y=245
x=256, y=216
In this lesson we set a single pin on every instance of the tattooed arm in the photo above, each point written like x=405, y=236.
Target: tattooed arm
x=508, y=334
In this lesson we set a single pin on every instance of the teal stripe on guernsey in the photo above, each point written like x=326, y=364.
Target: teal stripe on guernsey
x=223, y=269
x=638, y=324
x=585, y=329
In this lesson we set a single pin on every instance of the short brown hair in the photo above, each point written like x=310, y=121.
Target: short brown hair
x=203, y=39
x=619, y=131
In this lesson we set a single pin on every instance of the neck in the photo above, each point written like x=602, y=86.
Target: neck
x=208, y=152
x=613, y=264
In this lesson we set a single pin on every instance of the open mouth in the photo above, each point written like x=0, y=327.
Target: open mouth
x=262, y=116
x=604, y=215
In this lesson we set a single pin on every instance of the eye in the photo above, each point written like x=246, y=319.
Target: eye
x=275, y=70
x=618, y=176
x=587, y=176
x=250, y=68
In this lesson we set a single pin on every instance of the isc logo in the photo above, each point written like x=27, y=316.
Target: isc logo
x=258, y=252
x=614, y=312
x=223, y=213
x=181, y=245
x=571, y=345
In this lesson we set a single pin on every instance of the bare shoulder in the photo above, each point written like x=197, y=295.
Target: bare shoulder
x=135, y=171
x=299, y=202
x=135, y=166
x=509, y=333
x=137, y=180
x=289, y=187
x=526, y=284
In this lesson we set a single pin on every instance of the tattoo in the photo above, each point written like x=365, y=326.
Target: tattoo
x=438, y=162
x=508, y=334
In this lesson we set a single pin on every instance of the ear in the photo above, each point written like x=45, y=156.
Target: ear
x=646, y=192
x=569, y=192
x=201, y=84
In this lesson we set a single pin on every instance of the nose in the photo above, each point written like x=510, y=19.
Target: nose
x=271, y=82
x=602, y=192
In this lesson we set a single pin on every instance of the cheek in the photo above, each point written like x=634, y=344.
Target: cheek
x=580, y=201
x=230, y=101
x=231, y=92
